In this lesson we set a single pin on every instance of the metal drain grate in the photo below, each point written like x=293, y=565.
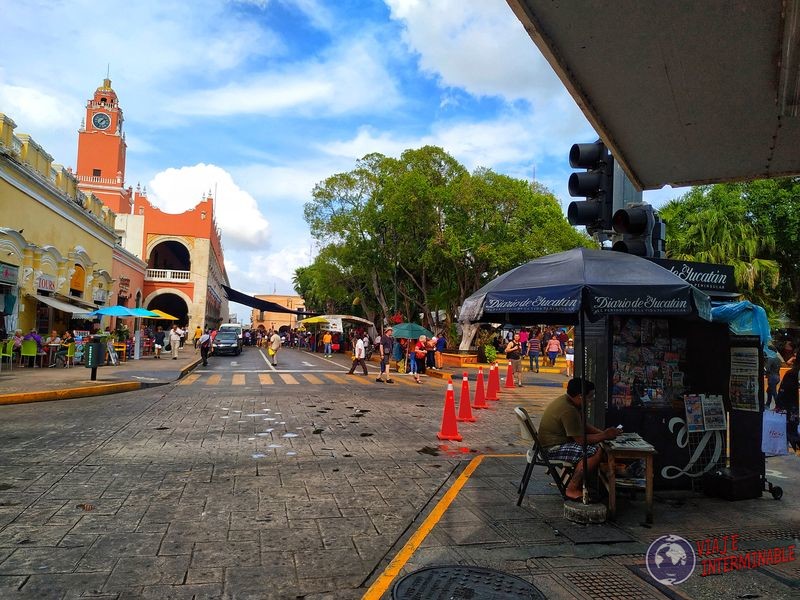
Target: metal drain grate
x=463, y=583
x=607, y=585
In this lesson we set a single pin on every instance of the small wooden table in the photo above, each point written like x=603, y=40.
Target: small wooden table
x=628, y=445
x=122, y=351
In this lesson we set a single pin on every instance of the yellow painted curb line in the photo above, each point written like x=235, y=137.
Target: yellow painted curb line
x=81, y=392
x=382, y=583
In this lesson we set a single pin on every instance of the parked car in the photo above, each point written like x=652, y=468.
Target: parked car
x=227, y=342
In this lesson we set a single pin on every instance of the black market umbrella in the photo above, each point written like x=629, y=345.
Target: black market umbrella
x=580, y=284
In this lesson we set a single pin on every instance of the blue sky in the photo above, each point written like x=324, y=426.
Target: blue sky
x=262, y=99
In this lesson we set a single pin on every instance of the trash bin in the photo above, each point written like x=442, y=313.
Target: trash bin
x=94, y=354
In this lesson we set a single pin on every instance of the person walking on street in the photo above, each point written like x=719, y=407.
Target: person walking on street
x=441, y=346
x=514, y=355
x=534, y=349
x=198, y=333
x=327, y=341
x=359, y=352
x=274, y=346
x=174, y=341
x=204, y=341
x=553, y=349
x=569, y=355
x=386, y=345
x=158, y=342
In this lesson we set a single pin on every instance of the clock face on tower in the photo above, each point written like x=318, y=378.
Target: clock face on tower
x=101, y=120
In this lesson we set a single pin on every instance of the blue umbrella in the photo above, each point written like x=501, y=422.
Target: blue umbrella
x=143, y=312
x=113, y=311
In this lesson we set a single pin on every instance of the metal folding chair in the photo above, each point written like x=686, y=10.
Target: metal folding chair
x=561, y=471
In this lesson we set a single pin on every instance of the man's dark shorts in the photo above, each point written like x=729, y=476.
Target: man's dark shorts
x=571, y=452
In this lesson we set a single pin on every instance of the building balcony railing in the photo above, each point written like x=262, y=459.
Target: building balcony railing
x=99, y=180
x=167, y=275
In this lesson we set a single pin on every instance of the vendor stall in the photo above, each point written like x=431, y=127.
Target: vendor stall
x=664, y=369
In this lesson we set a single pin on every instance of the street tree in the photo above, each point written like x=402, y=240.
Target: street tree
x=419, y=233
x=712, y=224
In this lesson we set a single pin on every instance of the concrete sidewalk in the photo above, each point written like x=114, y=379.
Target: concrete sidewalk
x=481, y=526
x=19, y=385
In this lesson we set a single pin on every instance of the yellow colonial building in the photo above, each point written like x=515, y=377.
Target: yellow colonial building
x=272, y=320
x=56, y=243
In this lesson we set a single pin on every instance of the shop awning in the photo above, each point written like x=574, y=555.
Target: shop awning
x=59, y=305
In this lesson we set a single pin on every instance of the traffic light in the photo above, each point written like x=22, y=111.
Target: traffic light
x=641, y=231
x=596, y=185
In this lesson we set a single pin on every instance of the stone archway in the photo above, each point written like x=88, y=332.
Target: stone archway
x=169, y=255
x=171, y=303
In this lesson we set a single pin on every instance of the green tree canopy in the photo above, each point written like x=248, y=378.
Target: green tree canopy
x=419, y=233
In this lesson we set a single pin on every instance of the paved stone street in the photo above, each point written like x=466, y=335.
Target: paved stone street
x=246, y=490
x=254, y=492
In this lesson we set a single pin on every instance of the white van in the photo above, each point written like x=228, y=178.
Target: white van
x=234, y=327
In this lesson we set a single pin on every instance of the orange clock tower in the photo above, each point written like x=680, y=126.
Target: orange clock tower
x=101, y=151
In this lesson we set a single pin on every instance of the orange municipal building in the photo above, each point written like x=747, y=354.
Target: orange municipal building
x=183, y=252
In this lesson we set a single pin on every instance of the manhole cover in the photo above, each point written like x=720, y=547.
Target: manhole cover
x=463, y=583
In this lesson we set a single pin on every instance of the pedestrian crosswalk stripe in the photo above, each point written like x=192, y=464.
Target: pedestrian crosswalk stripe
x=528, y=396
x=190, y=379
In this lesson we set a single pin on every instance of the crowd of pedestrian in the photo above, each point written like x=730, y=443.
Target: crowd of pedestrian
x=541, y=346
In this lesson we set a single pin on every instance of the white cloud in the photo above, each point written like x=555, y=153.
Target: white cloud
x=291, y=183
x=509, y=139
x=476, y=45
x=35, y=108
x=268, y=272
x=349, y=77
x=237, y=212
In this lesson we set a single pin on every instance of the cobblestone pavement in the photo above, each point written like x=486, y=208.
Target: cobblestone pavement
x=257, y=490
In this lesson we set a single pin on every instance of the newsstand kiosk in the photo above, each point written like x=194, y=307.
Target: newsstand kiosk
x=687, y=387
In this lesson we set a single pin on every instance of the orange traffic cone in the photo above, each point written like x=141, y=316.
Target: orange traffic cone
x=449, y=428
x=480, y=394
x=464, y=409
x=493, y=389
x=510, y=376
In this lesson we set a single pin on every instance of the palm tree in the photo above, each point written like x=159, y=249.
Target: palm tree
x=710, y=225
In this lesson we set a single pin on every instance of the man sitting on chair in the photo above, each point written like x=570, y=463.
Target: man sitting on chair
x=561, y=434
